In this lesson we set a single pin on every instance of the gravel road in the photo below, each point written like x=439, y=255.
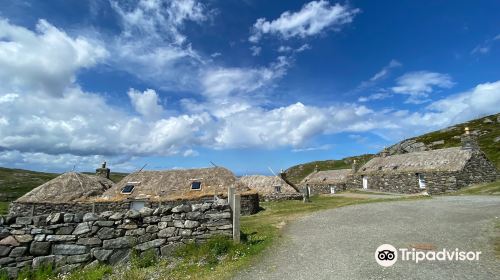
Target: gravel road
x=341, y=243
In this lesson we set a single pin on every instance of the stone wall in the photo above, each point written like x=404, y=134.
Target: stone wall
x=325, y=188
x=281, y=196
x=69, y=241
x=477, y=170
x=249, y=206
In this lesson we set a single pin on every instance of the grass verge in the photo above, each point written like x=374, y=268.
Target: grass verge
x=4, y=207
x=481, y=189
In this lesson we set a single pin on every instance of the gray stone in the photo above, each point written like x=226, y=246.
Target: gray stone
x=136, y=232
x=40, y=248
x=43, y=261
x=89, y=241
x=10, y=241
x=132, y=214
x=119, y=243
x=24, y=238
x=178, y=224
x=167, y=232
x=196, y=207
x=183, y=208
x=145, y=238
x=68, y=218
x=216, y=216
x=151, y=220
x=6, y=260
x=90, y=217
x=39, y=237
x=60, y=238
x=152, y=229
x=69, y=249
x=186, y=232
x=106, y=214
x=116, y=216
x=65, y=230
x=78, y=258
x=205, y=207
x=168, y=250
x=4, y=233
x=12, y=272
x=105, y=223
x=119, y=256
x=191, y=224
x=196, y=215
x=102, y=255
x=106, y=233
x=68, y=268
x=166, y=218
x=40, y=220
x=4, y=251
x=55, y=218
x=83, y=228
x=146, y=212
x=162, y=225
x=24, y=220
x=150, y=244
x=497, y=139
x=18, y=252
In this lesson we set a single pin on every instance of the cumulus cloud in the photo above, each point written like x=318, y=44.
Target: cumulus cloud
x=45, y=60
x=312, y=19
x=146, y=103
x=418, y=85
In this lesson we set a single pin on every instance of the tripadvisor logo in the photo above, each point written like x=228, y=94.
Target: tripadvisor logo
x=386, y=255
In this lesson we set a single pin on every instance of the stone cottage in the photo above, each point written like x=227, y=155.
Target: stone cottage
x=270, y=188
x=435, y=171
x=326, y=181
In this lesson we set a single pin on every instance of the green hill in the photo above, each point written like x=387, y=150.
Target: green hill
x=487, y=130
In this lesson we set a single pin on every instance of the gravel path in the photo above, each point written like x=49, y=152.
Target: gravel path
x=341, y=243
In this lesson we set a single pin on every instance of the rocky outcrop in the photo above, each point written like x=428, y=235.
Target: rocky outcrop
x=73, y=240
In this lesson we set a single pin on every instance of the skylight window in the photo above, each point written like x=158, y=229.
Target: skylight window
x=128, y=189
x=196, y=186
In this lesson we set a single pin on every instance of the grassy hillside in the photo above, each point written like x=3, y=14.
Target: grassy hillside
x=486, y=128
x=298, y=172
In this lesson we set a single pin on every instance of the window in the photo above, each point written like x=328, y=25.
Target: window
x=196, y=186
x=421, y=180
x=137, y=205
x=277, y=189
x=128, y=189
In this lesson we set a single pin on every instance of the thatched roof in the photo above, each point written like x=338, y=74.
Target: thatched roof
x=68, y=187
x=449, y=159
x=265, y=184
x=175, y=184
x=326, y=177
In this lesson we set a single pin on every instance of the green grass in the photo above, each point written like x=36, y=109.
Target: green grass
x=4, y=207
x=16, y=182
x=480, y=189
x=496, y=241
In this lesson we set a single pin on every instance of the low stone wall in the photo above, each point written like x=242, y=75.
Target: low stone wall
x=326, y=189
x=281, y=196
x=69, y=241
x=249, y=206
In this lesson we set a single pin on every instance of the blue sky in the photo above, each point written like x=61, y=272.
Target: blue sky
x=245, y=84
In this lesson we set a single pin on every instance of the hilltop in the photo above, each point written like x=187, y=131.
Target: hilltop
x=487, y=130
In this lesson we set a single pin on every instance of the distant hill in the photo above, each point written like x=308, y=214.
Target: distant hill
x=15, y=183
x=487, y=130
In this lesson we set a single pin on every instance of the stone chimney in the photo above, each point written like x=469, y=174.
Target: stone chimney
x=103, y=171
x=469, y=141
x=355, y=166
x=316, y=168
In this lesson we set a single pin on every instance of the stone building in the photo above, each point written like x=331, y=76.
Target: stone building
x=271, y=188
x=435, y=171
x=326, y=181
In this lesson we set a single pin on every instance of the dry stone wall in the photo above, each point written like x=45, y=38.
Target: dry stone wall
x=73, y=240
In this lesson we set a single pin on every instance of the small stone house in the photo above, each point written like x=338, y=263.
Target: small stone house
x=435, y=171
x=190, y=184
x=270, y=188
x=326, y=181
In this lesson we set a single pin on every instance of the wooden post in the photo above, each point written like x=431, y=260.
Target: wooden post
x=230, y=196
x=236, y=218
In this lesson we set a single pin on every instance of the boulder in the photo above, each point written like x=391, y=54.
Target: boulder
x=69, y=249
x=90, y=217
x=40, y=248
x=83, y=228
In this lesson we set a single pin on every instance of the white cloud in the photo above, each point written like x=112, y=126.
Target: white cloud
x=418, y=85
x=255, y=50
x=485, y=47
x=376, y=96
x=302, y=48
x=146, y=103
x=285, y=49
x=385, y=71
x=312, y=19
x=44, y=61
